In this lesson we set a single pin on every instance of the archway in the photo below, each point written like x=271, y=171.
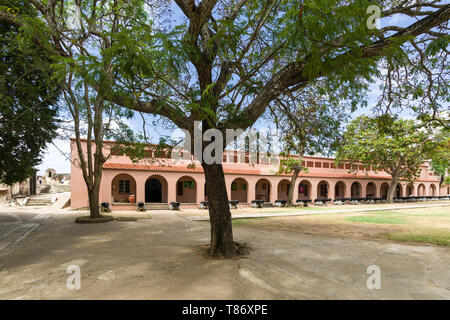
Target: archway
x=323, y=190
x=421, y=191
x=355, y=190
x=283, y=189
x=384, y=190
x=432, y=190
x=398, y=191
x=339, y=190
x=156, y=189
x=186, y=190
x=262, y=190
x=122, y=186
x=371, y=190
x=409, y=190
x=304, y=190
x=239, y=188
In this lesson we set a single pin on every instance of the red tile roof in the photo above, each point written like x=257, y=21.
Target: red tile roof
x=199, y=169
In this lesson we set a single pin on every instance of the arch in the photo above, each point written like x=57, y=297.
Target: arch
x=304, y=190
x=122, y=186
x=356, y=190
x=384, y=189
x=239, y=190
x=186, y=190
x=283, y=189
x=262, y=190
x=432, y=190
x=339, y=190
x=409, y=190
x=371, y=190
x=323, y=190
x=421, y=190
x=156, y=189
x=398, y=191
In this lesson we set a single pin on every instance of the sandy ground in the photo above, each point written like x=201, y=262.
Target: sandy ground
x=335, y=225
x=161, y=258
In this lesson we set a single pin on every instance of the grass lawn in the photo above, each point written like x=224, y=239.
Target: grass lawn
x=421, y=225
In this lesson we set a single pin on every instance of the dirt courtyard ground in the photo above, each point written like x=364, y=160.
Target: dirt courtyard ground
x=160, y=258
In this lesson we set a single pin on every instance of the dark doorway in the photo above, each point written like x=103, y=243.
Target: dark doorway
x=33, y=185
x=153, y=191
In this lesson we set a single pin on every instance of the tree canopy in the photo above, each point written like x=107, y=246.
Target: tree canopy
x=398, y=146
x=28, y=98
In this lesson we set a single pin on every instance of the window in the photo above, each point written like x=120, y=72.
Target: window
x=188, y=184
x=336, y=191
x=318, y=164
x=326, y=165
x=124, y=186
x=243, y=186
x=264, y=186
x=233, y=186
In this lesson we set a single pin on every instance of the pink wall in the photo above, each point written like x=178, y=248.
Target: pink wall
x=244, y=172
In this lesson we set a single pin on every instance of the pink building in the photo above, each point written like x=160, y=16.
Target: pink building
x=166, y=181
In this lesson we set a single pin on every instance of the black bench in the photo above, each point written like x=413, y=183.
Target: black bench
x=174, y=205
x=105, y=207
x=304, y=201
x=324, y=201
x=280, y=203
x=140, y=206
x=233, y=204
x=257, y=203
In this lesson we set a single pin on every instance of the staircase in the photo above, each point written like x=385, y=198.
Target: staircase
x=267, y=205
x=39, y=201
x=156, y=206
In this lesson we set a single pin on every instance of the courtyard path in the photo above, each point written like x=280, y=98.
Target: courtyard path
x=164, y=258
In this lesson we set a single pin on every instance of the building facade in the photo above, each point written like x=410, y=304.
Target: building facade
x=165, y=180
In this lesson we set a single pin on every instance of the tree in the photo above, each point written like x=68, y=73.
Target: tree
x=440, y=155
x=94, y=119
x=225, y=62
x=309, y=122
x=28, y=101
x=397, y=146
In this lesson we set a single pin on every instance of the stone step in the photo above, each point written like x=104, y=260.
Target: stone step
x=39, y=202
x=156, y=206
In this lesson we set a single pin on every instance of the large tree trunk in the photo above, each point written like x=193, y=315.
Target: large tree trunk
x=292, y=187
x=93, y=196
x=219, y=211
x=392, y=188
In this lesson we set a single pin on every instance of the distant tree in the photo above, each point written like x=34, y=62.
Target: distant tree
x=397, y=146
x=28, y=100
x=95, y=119
x=440, y=156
